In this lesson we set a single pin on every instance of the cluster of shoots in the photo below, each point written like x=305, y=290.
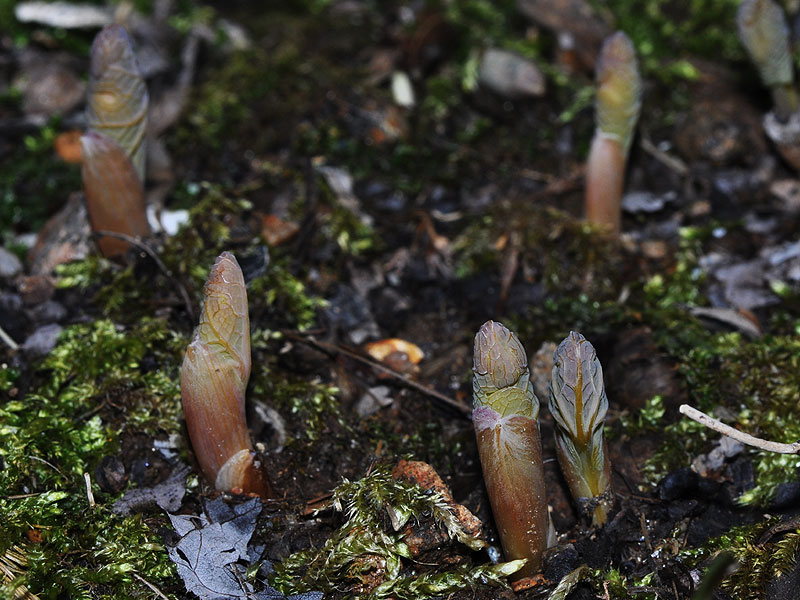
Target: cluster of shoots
x=765, y=34
x=505, y=416
x=113, y=148
x=617, y=106
x=214, y=378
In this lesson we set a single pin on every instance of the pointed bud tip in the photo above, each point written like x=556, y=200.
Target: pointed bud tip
x=226, y=269
x=574, y=348
x=499, y=354
x=617, y=50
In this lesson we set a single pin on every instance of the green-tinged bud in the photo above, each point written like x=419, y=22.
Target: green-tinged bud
x=114, y=193
x=619, y=90
x=117, y=94
x=502, y=380
x=765, y=34
x=579, y=404
x=213, y=382
x=509, y=444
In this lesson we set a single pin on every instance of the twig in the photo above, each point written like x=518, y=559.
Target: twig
x=332, y=348
x=153, y=588
x=671, y=162
x=737, y=435
x=8, y=340
x=152, y=254
x=89, y=495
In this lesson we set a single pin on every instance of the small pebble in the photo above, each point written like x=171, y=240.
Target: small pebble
x=10, y=265
x=42, y=341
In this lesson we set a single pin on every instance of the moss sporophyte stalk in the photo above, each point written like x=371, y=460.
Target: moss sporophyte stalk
x=213, y=383
x=578, y=403
x=505, y=417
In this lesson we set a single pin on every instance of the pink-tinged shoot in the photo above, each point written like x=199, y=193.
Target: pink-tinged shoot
x=617, y=107
x=505, y=418
x=117, y=95
x=214, y=378
x=579, y=404
x=114, y=193
x=764, y=32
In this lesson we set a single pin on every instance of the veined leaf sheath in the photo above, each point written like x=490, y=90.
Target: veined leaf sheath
x=216, y=369
x=505, y=418
x=579, y=404
x=117, y=94
x=114, y=194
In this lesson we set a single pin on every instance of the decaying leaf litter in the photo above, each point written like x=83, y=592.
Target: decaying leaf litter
x=374, y=181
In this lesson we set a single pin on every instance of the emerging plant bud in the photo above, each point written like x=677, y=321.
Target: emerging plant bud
x=117, y=94
x=213, y=383
x=579, y=404
x=619, y=91
x=765, y=34
x=505, y=417
x=114, y=194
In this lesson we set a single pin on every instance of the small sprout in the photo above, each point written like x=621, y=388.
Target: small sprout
x=114, y=193
x=505, y=417
x=118, y=99
x=619, y=92
x=213, y=383
x=579, y=404
x=765, y=34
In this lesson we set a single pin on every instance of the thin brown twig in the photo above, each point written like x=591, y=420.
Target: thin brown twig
x=335, y=349
x=737, y=435
x=153, y=588
x=152, y=254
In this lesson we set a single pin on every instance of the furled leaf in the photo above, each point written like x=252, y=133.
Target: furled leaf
x=765, y=35
x=579, y=404
x=114, y=193
x=118, y=99
x=213, y=381
x=504, y=415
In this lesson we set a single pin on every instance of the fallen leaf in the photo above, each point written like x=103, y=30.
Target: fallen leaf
x=383, y=348
x=68, y=146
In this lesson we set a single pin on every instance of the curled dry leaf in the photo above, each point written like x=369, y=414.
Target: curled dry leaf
x=114, y=193
x=213, y=383
x=381, y=349
x=68, y=146
x=117, y=94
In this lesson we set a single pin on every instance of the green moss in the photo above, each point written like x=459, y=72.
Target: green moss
x=59, y=431
x=665, y=31
x=758, y=563
x=366, y=548
x=32, y=182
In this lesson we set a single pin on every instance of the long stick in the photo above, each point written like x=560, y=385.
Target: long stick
x=332, y=348
x=737, y=435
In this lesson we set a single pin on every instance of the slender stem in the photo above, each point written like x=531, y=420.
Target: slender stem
x=9, y=341
x=152, y=254
x=737, y=435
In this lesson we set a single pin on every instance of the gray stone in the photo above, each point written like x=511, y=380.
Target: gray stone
x=10, y=265
x=41, y=341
